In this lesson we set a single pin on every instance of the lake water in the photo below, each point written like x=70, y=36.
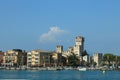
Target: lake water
x=58, y=75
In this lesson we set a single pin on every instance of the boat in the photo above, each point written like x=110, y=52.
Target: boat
x=103, y=71
x=2, y=68
x=82, y=69
x=68, y=68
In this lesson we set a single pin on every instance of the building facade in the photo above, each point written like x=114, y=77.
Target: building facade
x=79, y=45
x=15, y=57
x=56, y=59
x=97, y=57
x=1, y=57
x=59, y=49
x=77, y=49
x=39, y=58
x=86, y=58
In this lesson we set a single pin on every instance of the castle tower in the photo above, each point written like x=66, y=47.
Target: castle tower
x=97, y=57
x=79, y=45
x=70, y=49
x=59, y=49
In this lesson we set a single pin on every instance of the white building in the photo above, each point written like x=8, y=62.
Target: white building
x=86, y=58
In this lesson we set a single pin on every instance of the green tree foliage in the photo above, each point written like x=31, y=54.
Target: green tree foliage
x=117, y=60
x=103, y=63
x=84, y=53
x=64, y=61
x=86, y=64
x=93, y=63
x=18, y=50
x=109, y=58
x=73, y=60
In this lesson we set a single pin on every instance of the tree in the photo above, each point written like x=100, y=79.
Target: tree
x=17, y=50
x=103, y=64
x=84, y=53
x=64, y=60
x=117, y=60
x=73, y=60
x=87, y=64
x=109, y=58
x=93, y=63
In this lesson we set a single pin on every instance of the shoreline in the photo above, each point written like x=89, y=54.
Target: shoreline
x=52, y=68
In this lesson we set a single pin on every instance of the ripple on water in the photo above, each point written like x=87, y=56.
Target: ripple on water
x=58, y=75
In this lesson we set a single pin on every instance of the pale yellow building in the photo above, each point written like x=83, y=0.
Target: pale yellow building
x=15, y=57
x=77, y=49
x=59, y=49
x=97, y=57
x=39, y=58
x=57, y=59
x=1, y=57
x=79, y=45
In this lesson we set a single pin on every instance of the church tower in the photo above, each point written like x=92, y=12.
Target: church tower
x=79, y=45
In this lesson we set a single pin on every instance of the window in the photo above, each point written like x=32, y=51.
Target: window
x=29, y=62
x=29, y=54
x=8, y=54
x=36, y=58
x=36, y=55
x=36, y=62
x=14, y=54
x=7, y=58
x=29, y=58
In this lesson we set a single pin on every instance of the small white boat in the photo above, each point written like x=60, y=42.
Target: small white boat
x=103, y=71
x=82, y=69
x=2, y=68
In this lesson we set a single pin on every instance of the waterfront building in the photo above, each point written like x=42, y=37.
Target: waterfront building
x=39, y=58
x=15, y=57
x=56, y=59
x=97, y=57
x=70, y=50
x=1, y=57
x=79, y=45
x=57, y=56
x=59, y=49
x=77, y=49
x=86, y=58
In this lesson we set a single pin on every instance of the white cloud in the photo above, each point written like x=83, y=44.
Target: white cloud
x=52, y=35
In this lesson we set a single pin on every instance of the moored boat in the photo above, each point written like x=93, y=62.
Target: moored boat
x=82, y=69
x=2, y=68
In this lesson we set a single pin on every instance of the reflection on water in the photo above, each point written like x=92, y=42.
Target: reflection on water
x=58, y=75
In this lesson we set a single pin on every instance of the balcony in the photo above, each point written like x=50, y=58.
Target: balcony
x=28, y=60
x=29, y=57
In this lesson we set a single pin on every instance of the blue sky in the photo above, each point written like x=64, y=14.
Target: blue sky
x=43, y=24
